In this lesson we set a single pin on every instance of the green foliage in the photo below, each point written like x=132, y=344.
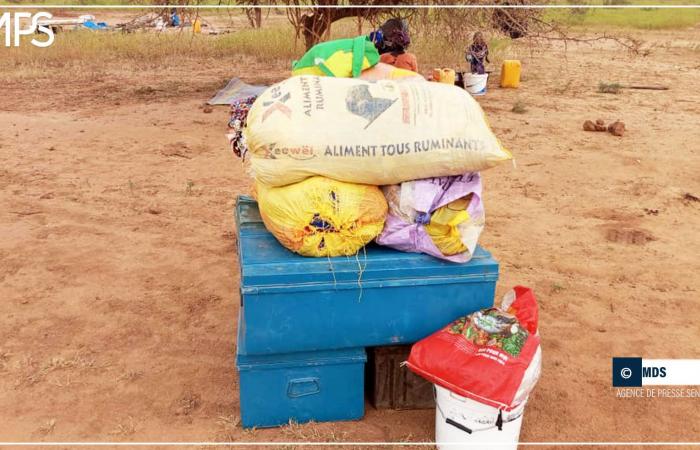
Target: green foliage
x=638, y=18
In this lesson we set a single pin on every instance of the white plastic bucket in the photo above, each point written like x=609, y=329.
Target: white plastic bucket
x=462, y=423
x=475, y=83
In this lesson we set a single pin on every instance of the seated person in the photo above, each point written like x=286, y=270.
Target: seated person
x=395, y=44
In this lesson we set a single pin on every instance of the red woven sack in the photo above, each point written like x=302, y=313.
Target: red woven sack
x=484, y=356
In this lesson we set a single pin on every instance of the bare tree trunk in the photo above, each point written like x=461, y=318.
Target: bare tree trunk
x=258, y=17
x=313, y=27
x=254, y=15
x=317, y=24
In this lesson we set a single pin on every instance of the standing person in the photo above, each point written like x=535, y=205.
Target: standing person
x=477, y=53
x=396, y=42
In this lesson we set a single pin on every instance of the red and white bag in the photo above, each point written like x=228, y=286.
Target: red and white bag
x=492, y=356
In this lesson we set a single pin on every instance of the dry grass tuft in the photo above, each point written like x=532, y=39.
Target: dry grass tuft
x=336, y=436
x=609, y=88
x=228, y=427
x=130, y=375
x=407, y=438
x=63, y=382
x=231, y=421
x=307, y=432
x=34, y=372
x=125, y=428
x=47, y=427
x=250, y=431
x=519, y=107
x=4, y=358
x=556, y=288
x=187, y=403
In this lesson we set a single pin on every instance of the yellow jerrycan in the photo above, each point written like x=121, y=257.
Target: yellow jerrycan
x=446, y=76
x=510, y=73
x=197, y=25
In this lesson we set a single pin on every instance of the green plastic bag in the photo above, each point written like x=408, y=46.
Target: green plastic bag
x=344, y=58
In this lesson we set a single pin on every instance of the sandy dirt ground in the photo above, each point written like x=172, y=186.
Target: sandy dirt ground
x=119, y=279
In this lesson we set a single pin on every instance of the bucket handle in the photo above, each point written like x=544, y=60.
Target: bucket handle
x=458, y=425
x=499, y=423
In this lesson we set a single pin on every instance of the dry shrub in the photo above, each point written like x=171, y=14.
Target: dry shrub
x=609, y=88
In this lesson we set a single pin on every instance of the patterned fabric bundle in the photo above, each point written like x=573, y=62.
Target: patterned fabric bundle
x=238, y=121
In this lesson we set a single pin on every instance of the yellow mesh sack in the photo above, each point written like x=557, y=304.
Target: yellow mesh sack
x=321, y=216
x=444, y=226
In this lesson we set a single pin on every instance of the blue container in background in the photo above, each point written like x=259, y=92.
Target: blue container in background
x=292, y=303
x=321, y=386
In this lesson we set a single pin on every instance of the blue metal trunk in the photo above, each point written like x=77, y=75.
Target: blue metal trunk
x=292, y=303
x=321, y=386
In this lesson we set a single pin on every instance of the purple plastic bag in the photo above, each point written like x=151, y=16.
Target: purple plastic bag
x=411, y=204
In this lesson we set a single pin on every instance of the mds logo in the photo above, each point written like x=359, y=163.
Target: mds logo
x=629, y=372
x=18, y=24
